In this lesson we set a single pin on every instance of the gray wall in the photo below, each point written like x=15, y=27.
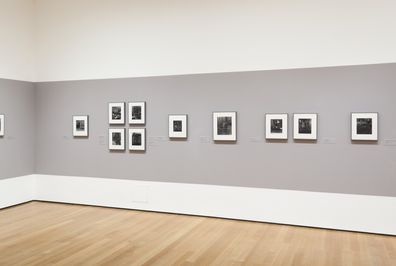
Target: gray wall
x=17, y=100
x=333, y=164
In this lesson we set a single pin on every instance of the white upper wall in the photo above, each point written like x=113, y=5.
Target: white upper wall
x=16, y=39
x=91, y=39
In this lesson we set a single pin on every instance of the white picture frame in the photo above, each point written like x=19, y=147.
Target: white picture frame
x=178, y=126
x=364, y=126
x=305, y=126
x=117, y=113
x=276, y=126
x=80, y=126
x=137, y=139
x=137, y=113
x=2, y=125
x=224, y=126
x=117, y=139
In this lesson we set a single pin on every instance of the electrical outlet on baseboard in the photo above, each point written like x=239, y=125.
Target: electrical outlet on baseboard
x=140, y=194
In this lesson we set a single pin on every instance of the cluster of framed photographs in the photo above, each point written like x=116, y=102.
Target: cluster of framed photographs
x=136, y=116
x=136, y=139
x=364, y=126
x=305, y=126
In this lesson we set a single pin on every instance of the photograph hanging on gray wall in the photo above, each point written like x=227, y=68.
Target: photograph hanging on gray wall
x=305, y=126
x=80, y=126
x=177, y=126
x=116, y=139
x=117, y=113
x=364, y=126
x=137, y=113
x=2, y=124
x=276, y=126
x=224, y=126
x=137, y=139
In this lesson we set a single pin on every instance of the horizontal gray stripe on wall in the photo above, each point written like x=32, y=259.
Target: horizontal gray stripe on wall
x=332, y=164
x=17, y=100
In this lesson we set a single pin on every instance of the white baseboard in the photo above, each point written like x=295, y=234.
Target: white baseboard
x=362, y=213
x=373, y=214
x=17, y=190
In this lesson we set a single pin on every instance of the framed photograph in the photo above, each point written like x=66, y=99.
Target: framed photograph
x=80, y=126
x=137, y=113
x=276, y=126
x=116, y=139
x=364, y=126
x=117, y=113
x=2, y=124
x=224, y=126
x=137, y=139
x=305, y=126
x=178, y=126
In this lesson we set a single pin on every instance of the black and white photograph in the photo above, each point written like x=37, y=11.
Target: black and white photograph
x=364, y=126
x=178, y=126
x=276, y=126
x=80, y=126
x=137, y=113
x=117, y=113
x=224, y=126
x=137, y=139
x=117, y=139
x=305, y=126
x=2, y=124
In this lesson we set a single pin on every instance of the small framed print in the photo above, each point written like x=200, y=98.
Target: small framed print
x=224, y=126
x=276, y=126
x=116, y=139
x=364, y=126
x=80, y=126
x=2, y=124
x=137, y=113
x=305, y=126
x=178, y=126
x=117, y=113
x=137, y=139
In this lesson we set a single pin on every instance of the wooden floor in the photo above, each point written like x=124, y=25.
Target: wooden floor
x=40, y=233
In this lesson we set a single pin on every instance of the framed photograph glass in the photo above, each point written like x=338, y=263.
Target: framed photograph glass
x=276, y=126
x=117, y=113
x=178, y=126
x=137, y=113
x=224, y=126
x=137, y=139
x=364, y=126
x=116, y=139
x=80, y=126
x=2, y=124
x=305, y=126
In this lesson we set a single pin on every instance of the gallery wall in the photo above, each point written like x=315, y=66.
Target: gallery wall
x=17, y=103
x=17, y=39
x=89, y=39
x=332, y=164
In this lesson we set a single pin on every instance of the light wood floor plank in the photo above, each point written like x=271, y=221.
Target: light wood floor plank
x=42, y=233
